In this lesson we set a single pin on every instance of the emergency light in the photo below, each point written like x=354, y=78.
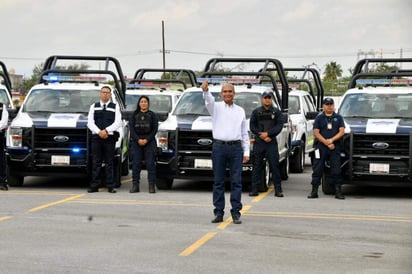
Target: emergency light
x=384, y=81
x=74, y=78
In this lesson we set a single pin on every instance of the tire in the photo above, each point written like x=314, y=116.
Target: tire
x=265, y=178
x=298, y=163
x=14, y=180
x=118, y=173
x=125, y=166
x=328, y=187
x=164, y=183
x=284, y=169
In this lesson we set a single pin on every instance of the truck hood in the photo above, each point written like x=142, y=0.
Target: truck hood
x=44, y=119
x=379, y=125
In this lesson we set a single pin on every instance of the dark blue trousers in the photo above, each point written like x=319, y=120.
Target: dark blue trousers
x=147, y=152
x=103, y=150
x=231, y=156
x=270, y=151
x=333, y=156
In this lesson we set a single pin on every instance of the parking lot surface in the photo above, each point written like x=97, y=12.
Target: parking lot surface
x=52, y=225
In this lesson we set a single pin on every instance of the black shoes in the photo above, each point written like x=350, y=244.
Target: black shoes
x=152, y=188
x=236, y=220
x=338, y=192
x=4, y=187
x=253, y=193
x=314, y=193
x=92, y=189
x=111, y=190
x=217, y=219
x=278, y=192
x=135, y=188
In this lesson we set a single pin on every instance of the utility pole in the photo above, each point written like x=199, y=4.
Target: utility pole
x=163, y=42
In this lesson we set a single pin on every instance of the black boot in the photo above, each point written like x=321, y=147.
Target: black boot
x=254, y=192
x=278, y=191
x=338, y=192
x=135, y=188
x=152, y=188
x=314, y=193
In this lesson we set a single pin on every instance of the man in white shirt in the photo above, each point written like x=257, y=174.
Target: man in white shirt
x=230, y=148
x=103, y=121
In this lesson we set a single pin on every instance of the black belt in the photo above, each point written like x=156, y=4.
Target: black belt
x=227, y=142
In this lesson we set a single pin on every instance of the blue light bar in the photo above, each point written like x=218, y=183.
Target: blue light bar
x=222, y=80
x=52, y=78
x=75, y=150
x=384, y=81
x=147, y=85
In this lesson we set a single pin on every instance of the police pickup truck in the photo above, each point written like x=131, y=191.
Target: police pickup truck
x=162, y=91
x=5, y=90
x=49, y=135
x=185, y=138
x=377, y=109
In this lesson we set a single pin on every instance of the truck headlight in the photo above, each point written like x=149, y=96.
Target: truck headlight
x=16, y=137
x=163, y=140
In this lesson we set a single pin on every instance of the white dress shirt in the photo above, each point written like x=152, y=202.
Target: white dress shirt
x=110, y=129
x=228, y=122
x=4, y=118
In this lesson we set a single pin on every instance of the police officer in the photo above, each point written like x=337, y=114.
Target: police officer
x=103, y=121
x=143, y=128
x=328, y=129
x=4, y=118
x=266, y=123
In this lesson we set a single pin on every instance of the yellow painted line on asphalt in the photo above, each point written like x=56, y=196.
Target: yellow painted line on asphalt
x=308, y=215
x=205, y=238
x=5, y=218
x=56, y=203
x=196, y=245
x=262, y=195
x=228, y=221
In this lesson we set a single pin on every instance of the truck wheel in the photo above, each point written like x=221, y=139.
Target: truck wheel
x=284, y=169
x=14, y=180
x=164, y=183
x=327, y=185
x=118, y=173
x=125, y=166
x=265, y=178
x=298, y=163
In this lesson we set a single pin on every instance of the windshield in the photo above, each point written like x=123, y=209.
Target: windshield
x=377, y=106
x=61, y=101
x=158, y=102
x=192, y=103
x=4, y=98
x=294, y=104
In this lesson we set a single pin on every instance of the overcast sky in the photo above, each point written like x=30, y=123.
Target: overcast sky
x=297, y=32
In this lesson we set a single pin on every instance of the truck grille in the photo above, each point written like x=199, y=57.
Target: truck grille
x=46, y=138
x=194, y=141
x=397, y=145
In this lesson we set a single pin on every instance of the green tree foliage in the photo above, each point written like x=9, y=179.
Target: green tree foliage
x=332, y=72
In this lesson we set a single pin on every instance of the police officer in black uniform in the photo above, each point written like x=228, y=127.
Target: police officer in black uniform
x=4, y=119
x=266, y=123
x=143, y=128
x=103, y=121
x=328, y=130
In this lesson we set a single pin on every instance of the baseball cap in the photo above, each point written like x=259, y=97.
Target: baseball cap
x=267, y=93
x=328, y=100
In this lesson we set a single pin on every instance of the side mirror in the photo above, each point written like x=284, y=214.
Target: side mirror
x=311, y=115
x=285, y=117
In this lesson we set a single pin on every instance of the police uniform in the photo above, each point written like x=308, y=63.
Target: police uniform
x=4, y=118
x=143, y=125
x=328, y=127
x=270, y=121
x=103, y=116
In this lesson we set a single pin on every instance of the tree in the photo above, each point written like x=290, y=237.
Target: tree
x=332, y=72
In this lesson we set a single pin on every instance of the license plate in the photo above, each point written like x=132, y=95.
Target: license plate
x=378, y=168
x=60, y=160
x=203, y=163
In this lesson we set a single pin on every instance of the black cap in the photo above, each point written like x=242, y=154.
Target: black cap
x=267, y=93
x=328, y=100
